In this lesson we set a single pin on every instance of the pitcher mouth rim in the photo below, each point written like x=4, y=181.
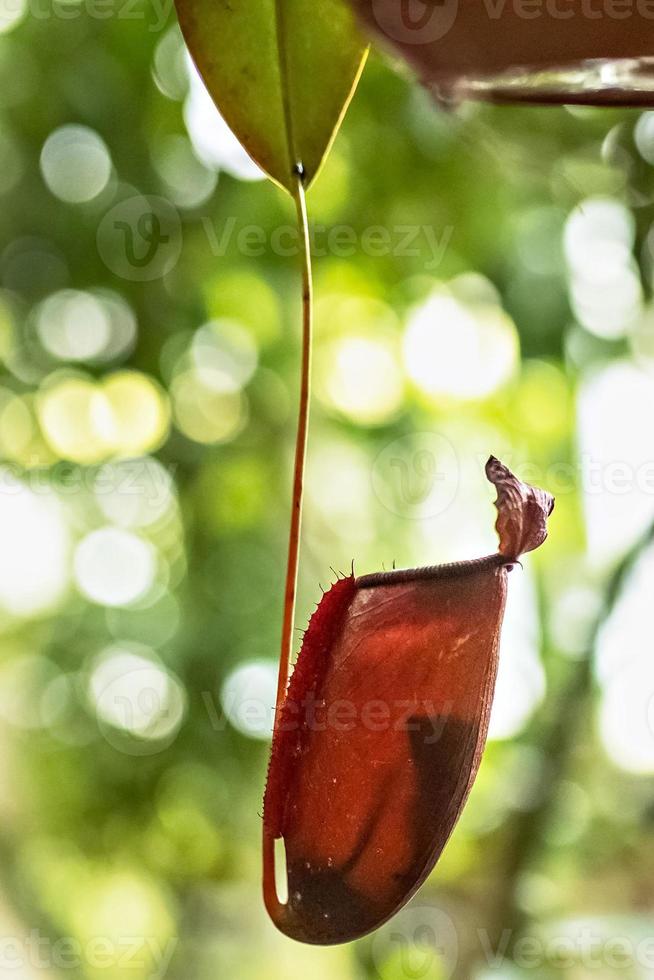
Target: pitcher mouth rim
x=399, y=576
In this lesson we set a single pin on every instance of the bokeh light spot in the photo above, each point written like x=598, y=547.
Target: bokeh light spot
x=35, y=570
x=203, y=414
x=17, y=428
x=460, y=350
x=134, y=492
x=187, y=181
x=605, y=287
x=71, y=412
x=73, y=325
x=521, y=678
x=361, y=377
x=131, y=691
x=75, y=164
x=169, y=65
x=627, y=716
x=616, y=449
x=248, y=698
x=213, y=140
x=224, y=355
x=138, y=414
x=114, y=567
x=12, y=12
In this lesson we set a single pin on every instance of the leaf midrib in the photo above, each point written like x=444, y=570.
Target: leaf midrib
x=284, y=81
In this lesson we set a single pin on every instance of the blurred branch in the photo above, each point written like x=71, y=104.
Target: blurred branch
x=527, y=835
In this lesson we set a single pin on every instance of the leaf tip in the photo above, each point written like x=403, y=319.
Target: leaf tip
x=522, y=511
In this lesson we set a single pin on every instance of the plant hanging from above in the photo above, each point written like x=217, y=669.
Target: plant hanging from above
x=364, y=809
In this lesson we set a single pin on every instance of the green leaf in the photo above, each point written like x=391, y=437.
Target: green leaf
x=281, y=72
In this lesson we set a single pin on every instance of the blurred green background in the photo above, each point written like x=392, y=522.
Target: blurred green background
x=483, y=284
